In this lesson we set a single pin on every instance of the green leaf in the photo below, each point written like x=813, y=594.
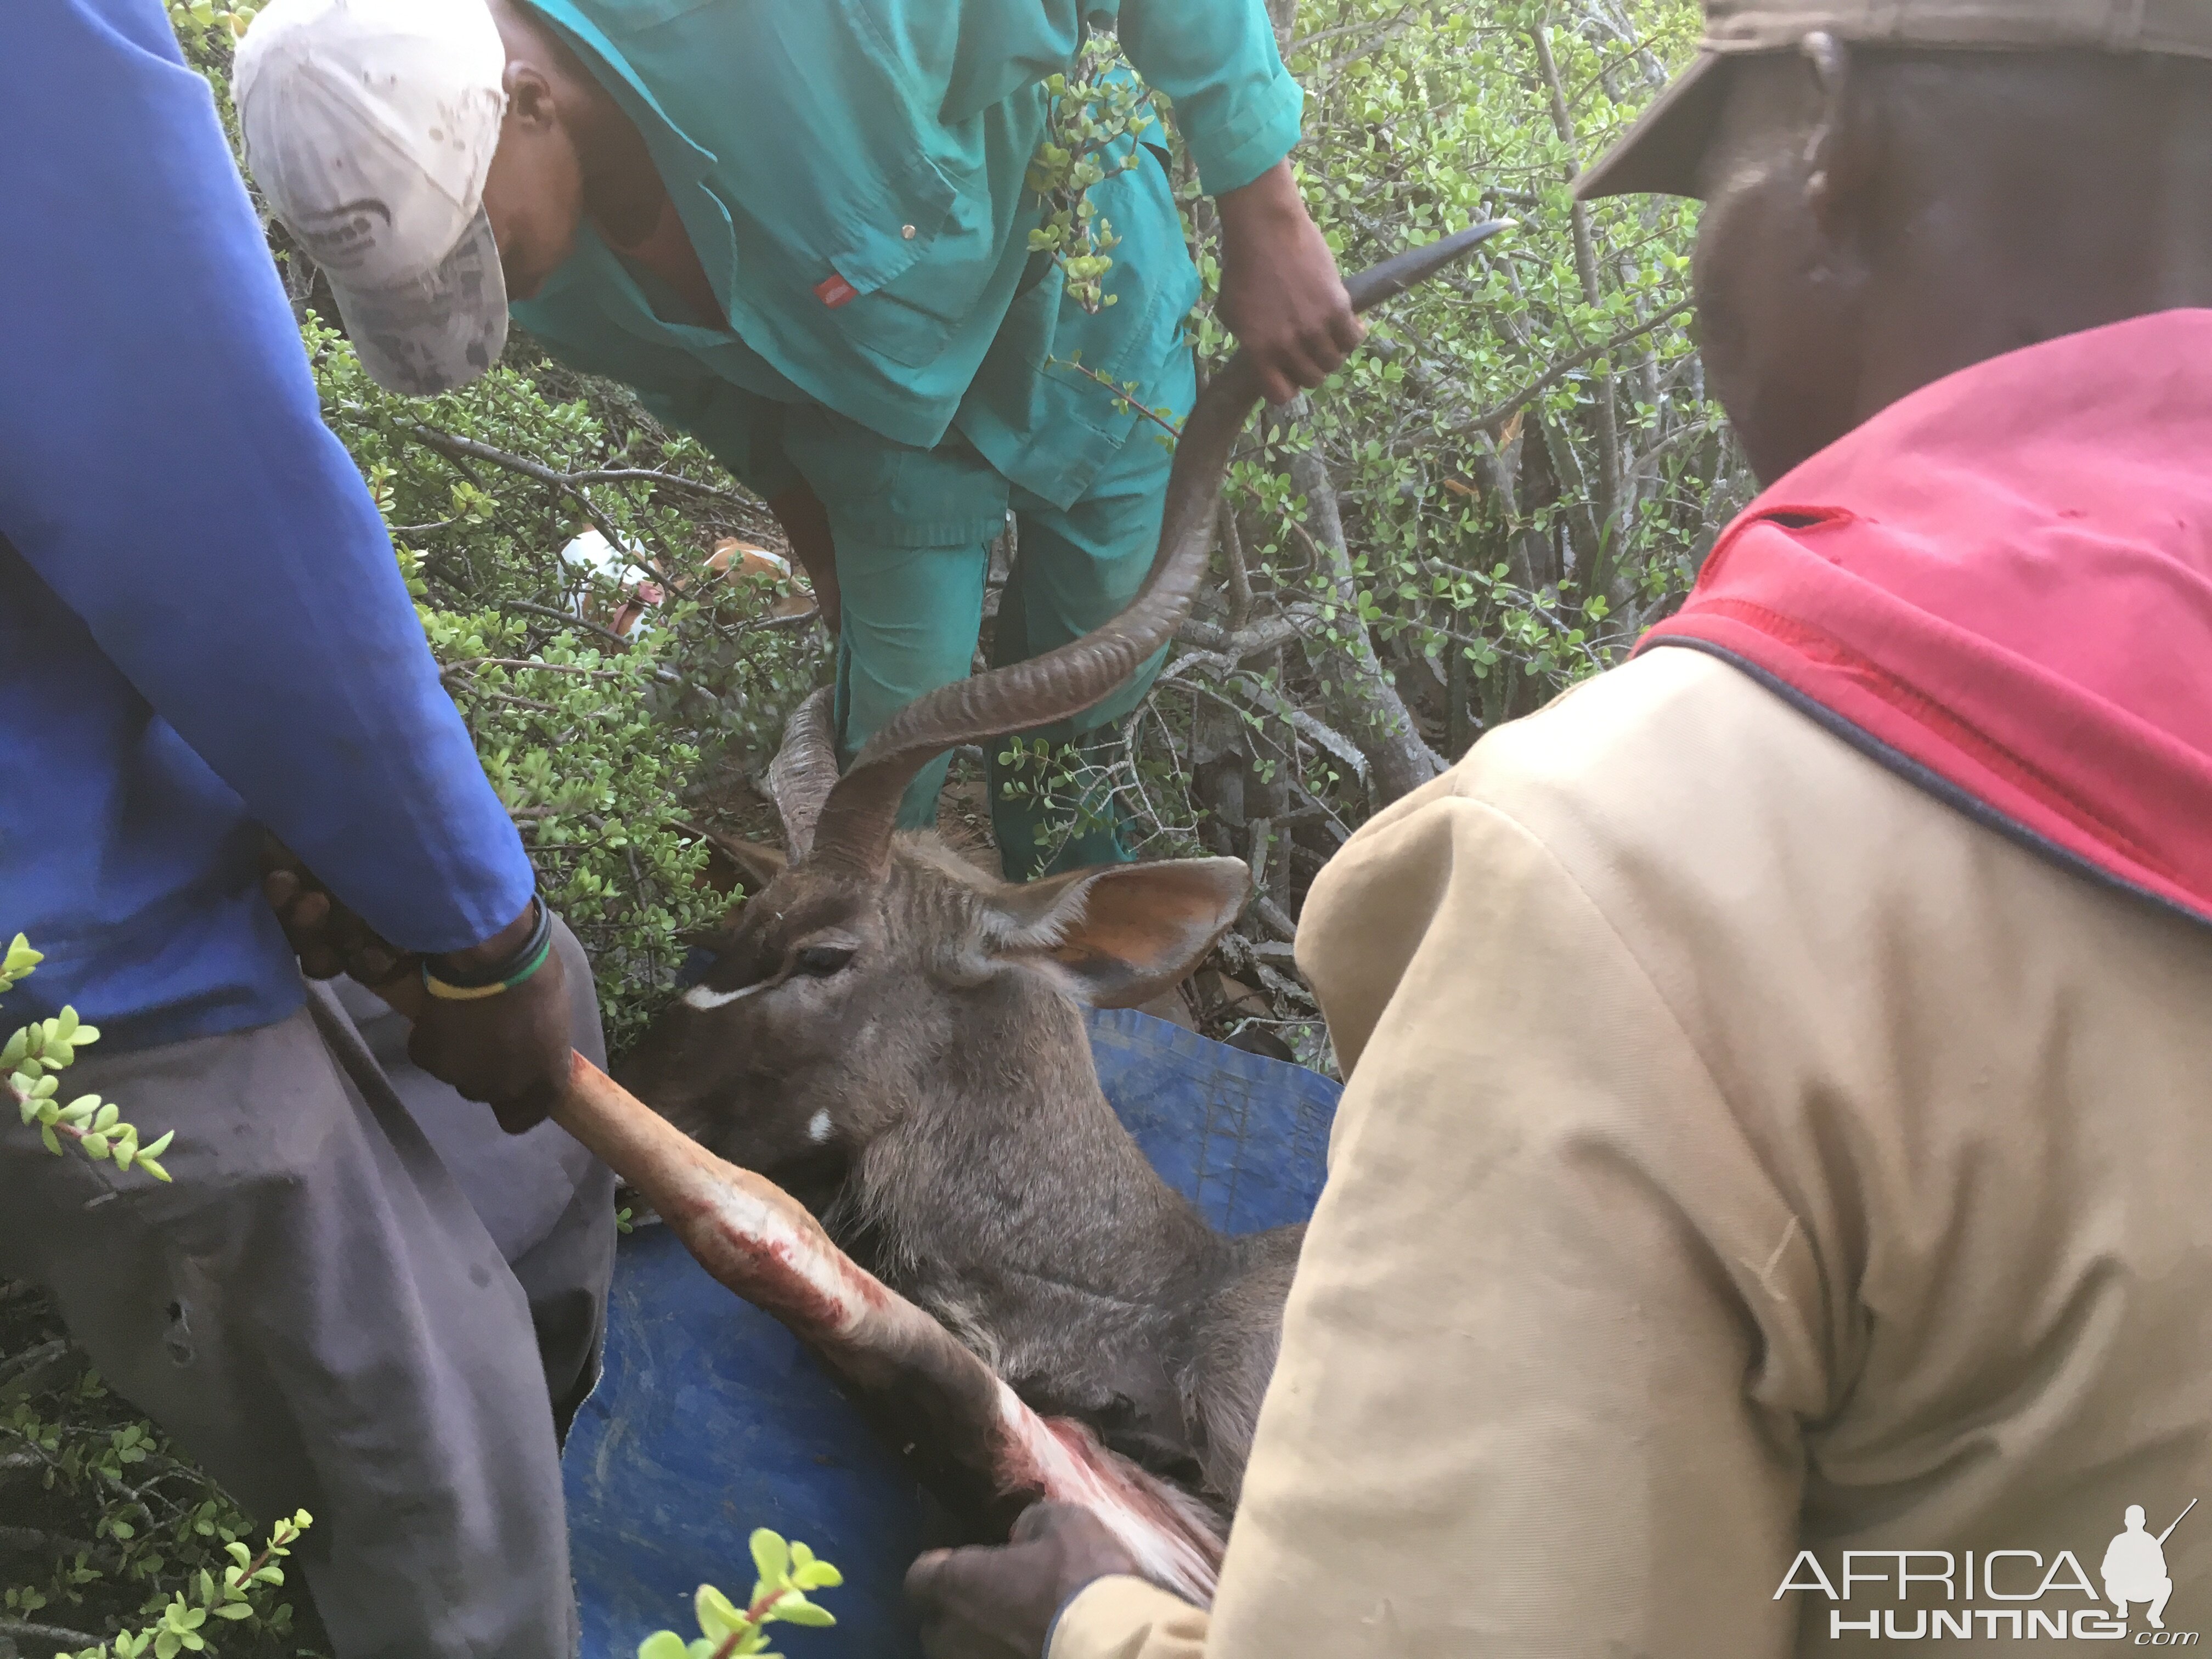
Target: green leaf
x=717, y=1617
x=798, y=1610
x=235, y=1610
x=817, y=1575
x=663, y=1644
x=771, y=1555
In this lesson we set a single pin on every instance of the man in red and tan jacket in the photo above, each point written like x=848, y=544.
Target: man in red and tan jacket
x=1768, y=1212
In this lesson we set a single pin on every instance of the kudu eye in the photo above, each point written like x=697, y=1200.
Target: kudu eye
x=820, y=961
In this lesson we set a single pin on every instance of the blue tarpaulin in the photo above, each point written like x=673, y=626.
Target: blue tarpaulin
x=710, y=1421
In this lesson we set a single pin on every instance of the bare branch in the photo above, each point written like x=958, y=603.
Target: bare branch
x=1608, y=411
x=1497, y=414
x=1240, y=579
x=1398, y=761
x=456, y=448
x=60, y=1636
x=468, y=664
x=1235, y=645
x=530, y=610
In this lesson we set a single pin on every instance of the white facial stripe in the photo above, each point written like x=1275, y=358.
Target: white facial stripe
x=704, y=996
x=818, y=1127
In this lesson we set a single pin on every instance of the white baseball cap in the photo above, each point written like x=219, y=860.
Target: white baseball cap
x=369, y=125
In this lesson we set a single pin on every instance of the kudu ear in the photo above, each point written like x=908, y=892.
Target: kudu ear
x=1120, y=934
x=749, y=862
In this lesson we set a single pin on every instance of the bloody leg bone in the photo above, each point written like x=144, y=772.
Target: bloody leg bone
x=980, y=1447
x=986, y=1455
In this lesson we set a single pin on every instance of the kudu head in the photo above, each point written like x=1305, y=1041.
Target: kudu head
x=868, y=964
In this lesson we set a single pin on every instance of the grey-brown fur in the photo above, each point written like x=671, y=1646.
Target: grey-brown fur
x=972, y=1161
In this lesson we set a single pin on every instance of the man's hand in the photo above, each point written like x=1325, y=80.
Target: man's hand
x=1280, y=293
x=328, y=939
x=511, y=1049
x=999, y=1602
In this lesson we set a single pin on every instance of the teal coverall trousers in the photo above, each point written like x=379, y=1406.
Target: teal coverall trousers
x=914, y=530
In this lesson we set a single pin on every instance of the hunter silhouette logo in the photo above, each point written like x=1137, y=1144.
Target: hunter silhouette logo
x=2031, y=1597
x=2135, y=1566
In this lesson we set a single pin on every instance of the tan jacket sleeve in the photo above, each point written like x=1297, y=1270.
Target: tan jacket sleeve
x=1742, y=1149
x=1554, y=1330
x=1127, y=1619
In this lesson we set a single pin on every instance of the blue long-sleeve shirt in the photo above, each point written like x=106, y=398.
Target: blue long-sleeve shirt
x=203, y=628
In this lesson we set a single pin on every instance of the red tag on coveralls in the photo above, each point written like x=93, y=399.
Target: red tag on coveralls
x=836, y=291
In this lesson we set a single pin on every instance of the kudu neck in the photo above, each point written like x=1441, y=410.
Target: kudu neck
x=1013, y=1160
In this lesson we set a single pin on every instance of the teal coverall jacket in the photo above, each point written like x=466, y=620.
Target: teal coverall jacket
x=850, y=173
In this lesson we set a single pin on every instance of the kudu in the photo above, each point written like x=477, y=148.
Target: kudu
x=897, y=1039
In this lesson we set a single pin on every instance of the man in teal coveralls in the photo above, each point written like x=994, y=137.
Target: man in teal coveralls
x=801, y=233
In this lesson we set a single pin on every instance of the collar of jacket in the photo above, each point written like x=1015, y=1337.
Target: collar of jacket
x=2001, y=586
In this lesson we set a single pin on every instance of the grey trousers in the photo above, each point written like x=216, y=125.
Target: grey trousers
x=357, y=1297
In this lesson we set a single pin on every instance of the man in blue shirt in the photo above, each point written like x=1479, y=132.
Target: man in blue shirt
x=802, y=234
x=205, y=638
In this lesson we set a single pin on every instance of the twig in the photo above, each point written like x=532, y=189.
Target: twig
x=798, y=619
x=1237, y=644
x=33, y=1541
x=528, y=608
x=471, y=664
x=31, y=1358
x=1335, y=30
x=1279, y=923
x=59, y=1635
x=1316, y=807
x=452, y=448
x=1608, y=407
x=511, y=700
x=1240, y=579
x=1167, y=427
x=1495, y=416
x=669, y=480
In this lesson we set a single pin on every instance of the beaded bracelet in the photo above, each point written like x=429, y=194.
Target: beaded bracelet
x=506, y=977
